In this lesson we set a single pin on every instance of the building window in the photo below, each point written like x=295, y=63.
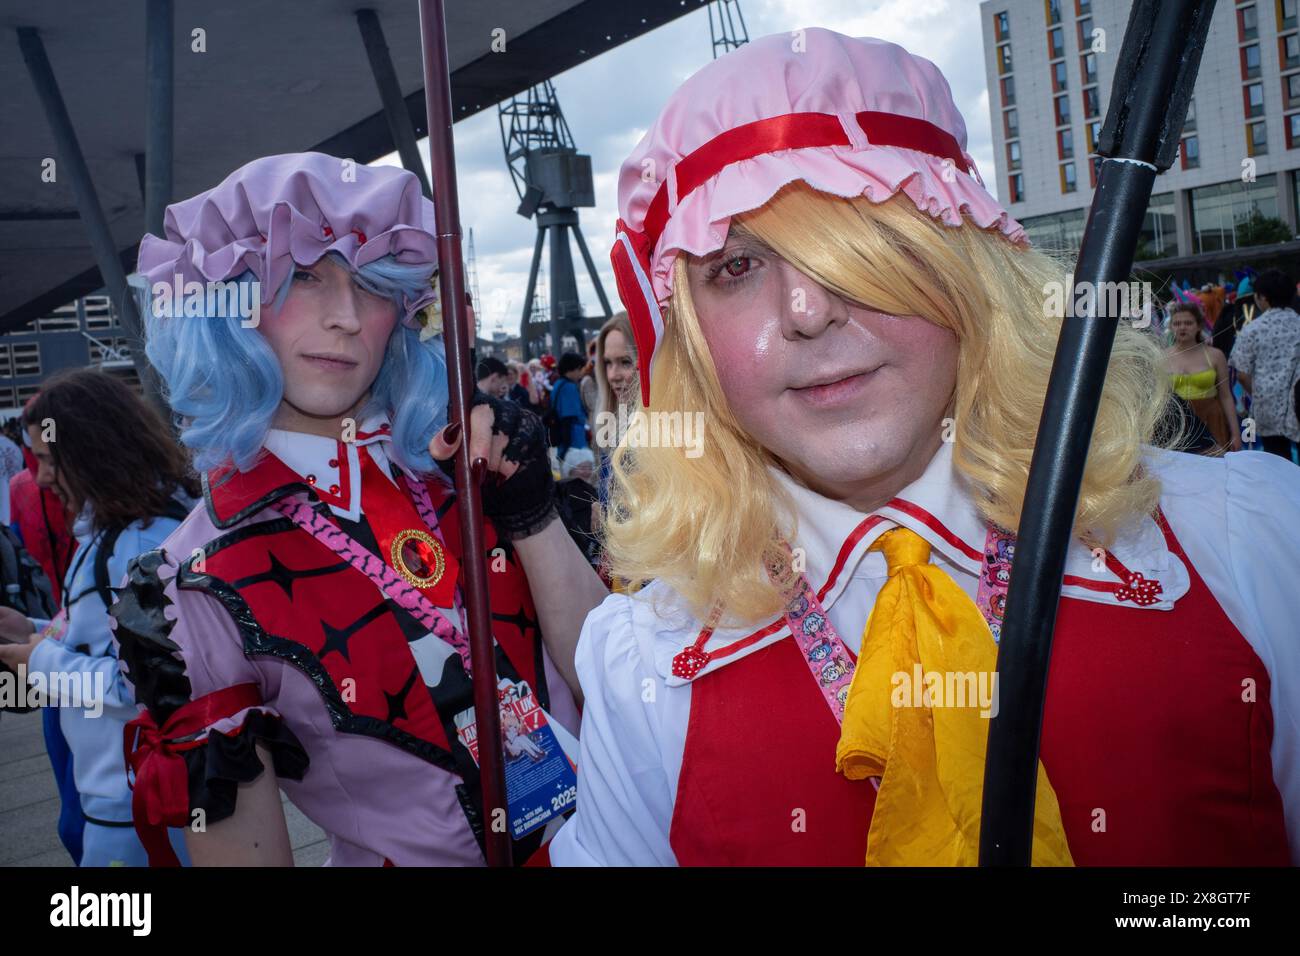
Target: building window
x=1094, y=169
x=1055, y=43
x=1159, y=235
x=1089, y=66
x=1293, y=131
x=1065, y=143
x=1069, y=182
x=1062, y=110
x=1289, y=50
x=58, y=323
x=1256, y=139
x=1225, y=215
x=1085, y=33
x=23, y=393
x=7, y=398
x=27, y=358
x=1082, y=7
x=1247, y=23
x=1291, y=91
x=1016, y=184
x=1091, y=103
x=1189, y=124
x=1250, y=61
x=1286, y=14
x=6, y=369
x=1013, y=155
x=1058, y=77
x=1094, y=135
x=1058, y=233
x=1008, y=91
x=1004, y=58
x=1254, y=94
x=1011, y=124
x=1001, y=26
x=1191, y=152
x=1053, y=10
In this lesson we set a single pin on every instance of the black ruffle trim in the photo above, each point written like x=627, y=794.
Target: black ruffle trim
x=217, y=769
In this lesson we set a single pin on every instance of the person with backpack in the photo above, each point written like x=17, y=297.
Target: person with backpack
x=570, y=418
x=109, y=459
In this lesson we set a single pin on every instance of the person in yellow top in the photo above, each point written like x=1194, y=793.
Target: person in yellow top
x=1199, y=375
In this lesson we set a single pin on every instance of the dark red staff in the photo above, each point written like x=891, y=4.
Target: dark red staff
x=459, y=337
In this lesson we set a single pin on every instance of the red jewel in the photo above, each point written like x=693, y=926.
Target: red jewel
x=334, y=462
x=689, y=662
x=334, y=489
x=327, y=230
x=361, y=236
x=311, y=479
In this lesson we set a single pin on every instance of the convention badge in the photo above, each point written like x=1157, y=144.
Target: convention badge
x=541, y=780
x=57, y=627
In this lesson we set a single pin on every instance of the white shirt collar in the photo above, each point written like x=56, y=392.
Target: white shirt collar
x=834, y=540
x=333, y=466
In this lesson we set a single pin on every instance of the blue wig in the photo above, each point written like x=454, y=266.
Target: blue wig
x=225, y=385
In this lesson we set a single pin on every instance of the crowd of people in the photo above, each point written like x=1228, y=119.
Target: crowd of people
x=700, y=658
x=1233, y=353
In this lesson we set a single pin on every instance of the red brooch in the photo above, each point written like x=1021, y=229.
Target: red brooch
x=1139, y=590
x=329, y=233
x=361, y=236
x=689, y=662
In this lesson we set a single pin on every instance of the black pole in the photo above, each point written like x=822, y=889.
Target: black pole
x=591, y=269
x=532, y=288
x=92, y=213
x=159, y=68
x=396, y=114
x=1152, y=85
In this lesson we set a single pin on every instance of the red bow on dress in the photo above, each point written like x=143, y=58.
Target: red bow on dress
x=160, y=788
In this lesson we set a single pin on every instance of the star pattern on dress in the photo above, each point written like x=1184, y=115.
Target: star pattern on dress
x=283, y=575
x=397, y=702
x=519, y=619
x=336, y=639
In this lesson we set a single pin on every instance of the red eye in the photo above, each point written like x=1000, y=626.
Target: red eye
x=732, y=265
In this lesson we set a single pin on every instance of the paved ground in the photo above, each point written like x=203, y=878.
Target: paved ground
x=29, y=804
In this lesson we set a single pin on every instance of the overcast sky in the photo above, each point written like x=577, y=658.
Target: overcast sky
x=610, y=101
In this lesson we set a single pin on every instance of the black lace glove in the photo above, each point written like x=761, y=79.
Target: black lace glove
x=523, y=504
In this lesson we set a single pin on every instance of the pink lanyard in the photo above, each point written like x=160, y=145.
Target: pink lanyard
x=828, y=658
x=385, y=578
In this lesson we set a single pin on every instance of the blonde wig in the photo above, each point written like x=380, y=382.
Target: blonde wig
x=702, y=523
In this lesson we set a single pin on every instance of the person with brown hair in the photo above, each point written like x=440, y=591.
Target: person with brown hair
x=1198, y=373
x=112, y=462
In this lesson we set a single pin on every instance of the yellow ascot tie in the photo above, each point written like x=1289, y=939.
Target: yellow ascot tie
x=926, y=743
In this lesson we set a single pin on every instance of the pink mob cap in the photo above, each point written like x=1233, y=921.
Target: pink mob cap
x=279, y=211
x=850, y=116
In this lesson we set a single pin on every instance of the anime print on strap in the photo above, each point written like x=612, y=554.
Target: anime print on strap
x=385, y=578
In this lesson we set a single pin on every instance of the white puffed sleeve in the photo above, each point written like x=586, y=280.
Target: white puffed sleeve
x=625, y=797
x=1263, y=532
